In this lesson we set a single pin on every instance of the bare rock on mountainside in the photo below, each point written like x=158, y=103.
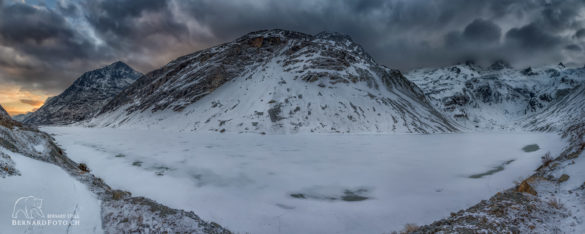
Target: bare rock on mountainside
x=84, y=97
x=318, y=83
x=6, y=164
x=6, y=120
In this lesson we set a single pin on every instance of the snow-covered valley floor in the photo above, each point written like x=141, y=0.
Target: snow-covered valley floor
x=309, y=183
x=66, y=206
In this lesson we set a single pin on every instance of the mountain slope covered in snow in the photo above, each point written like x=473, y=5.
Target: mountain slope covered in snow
x=567, y=111
x=85, y=96
x=496, y=97
x=276, y=81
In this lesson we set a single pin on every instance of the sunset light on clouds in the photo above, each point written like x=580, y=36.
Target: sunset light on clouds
x=17, y=101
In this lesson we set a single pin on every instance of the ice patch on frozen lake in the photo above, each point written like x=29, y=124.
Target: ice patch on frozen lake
x=246, y=182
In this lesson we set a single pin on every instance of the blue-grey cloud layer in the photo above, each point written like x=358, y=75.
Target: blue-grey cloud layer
x=46, y=46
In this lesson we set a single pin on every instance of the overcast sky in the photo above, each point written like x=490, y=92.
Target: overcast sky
x=45, y=45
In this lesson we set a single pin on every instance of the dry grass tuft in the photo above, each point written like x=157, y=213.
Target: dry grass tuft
x=409, y=228
x=555, y=203
x=546, y=159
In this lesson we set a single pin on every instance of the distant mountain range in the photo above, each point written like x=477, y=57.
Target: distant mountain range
x=499, y=97
x=278, y=81
x=84, y=98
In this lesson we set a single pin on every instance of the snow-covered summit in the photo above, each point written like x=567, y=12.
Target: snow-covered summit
x=276, y=81
x=85, y=96
x=496, y=97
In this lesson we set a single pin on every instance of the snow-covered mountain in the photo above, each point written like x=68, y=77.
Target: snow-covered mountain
x=85, y=96
x=496, y=97
x=566, y=111
x=276, y=81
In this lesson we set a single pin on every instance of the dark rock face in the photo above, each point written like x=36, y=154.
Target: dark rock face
x=500, y=65
x=3, y=113
x=6, y=120
x=528, y=72
x=85, y=96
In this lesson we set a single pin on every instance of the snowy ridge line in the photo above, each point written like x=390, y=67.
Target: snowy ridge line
x=276, y=82
x=117, y=207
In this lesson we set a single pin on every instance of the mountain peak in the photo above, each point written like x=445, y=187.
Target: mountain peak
x=287, y=34
x=335, y=36
x=85, y=96
x=118, y=64
x=274, y=33
x=500, y=65
x=3, y=113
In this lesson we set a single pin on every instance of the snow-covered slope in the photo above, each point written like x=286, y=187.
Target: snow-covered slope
x=497, y=97
x=85, y=96
x=275, y=81
x=567, y=111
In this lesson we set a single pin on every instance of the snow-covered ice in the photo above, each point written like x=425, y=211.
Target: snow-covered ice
x=308, y=183
x=63, y=198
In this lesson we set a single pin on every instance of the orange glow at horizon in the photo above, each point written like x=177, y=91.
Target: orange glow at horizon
x=17, y=101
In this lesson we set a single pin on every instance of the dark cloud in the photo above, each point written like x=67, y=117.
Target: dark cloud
x=532, y=37
x=45, y=48
x=560, y=15
x=580, y=33
x=41, y=33
x=482, y=31
x=573, y=47
x=39, y=47
x=146, y=33
x=130, y=19
x=32, y=102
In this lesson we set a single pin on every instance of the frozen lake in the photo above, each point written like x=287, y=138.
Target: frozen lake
x=309, y=183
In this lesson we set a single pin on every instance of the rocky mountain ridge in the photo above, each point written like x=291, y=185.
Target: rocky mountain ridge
x=85, y=96
x=275, y=81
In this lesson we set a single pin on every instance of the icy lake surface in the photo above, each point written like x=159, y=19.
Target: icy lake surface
x=308, y=183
